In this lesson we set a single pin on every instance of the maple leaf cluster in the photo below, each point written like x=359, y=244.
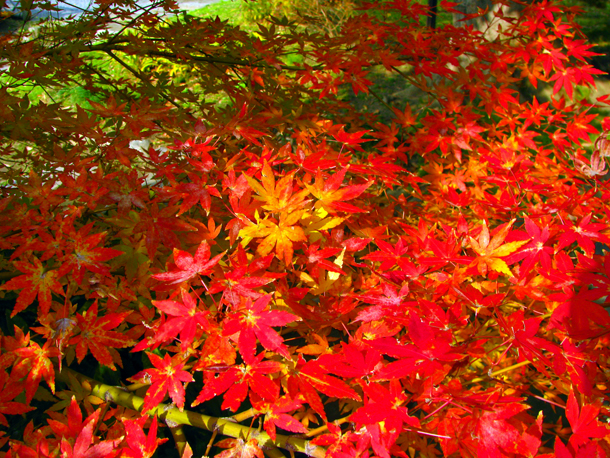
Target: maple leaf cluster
x=335, y=284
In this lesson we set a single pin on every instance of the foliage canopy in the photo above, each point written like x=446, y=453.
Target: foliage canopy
x=203, y=216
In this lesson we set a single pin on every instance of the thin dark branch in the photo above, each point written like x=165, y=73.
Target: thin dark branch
x=433, y=6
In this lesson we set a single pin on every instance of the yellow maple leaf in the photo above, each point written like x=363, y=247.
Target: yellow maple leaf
x=491, y=251
x=277, y=196
x=318, y=221
x=279, y=235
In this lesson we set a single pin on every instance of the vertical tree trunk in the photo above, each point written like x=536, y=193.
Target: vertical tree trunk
x=495, y=16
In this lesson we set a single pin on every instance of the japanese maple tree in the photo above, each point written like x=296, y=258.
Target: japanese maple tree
x=220, y=251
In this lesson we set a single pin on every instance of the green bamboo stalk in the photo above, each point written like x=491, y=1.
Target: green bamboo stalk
x=179, y=439
x=173, y=416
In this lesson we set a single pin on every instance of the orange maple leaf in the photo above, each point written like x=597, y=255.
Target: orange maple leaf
x=279, y=235
x=491, y=251
x=277, y=197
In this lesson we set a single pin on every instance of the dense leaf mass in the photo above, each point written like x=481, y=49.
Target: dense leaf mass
x=221, y=224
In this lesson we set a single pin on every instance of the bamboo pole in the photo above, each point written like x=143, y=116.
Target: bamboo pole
x=173, y=416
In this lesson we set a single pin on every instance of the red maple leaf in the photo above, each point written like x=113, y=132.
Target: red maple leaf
x=8, y=391
x=407, y=359
x=352, y=139
x=584, y=422
x=564, y=78
x=187, y=318
x=390, y=256
x=70, y=425
x=388, y=302
x=140, y=445
x=524, y=334
x=252, y=321
x=476, y=299
x=435, y=343
x=37, y=281
x=384, y=415
x=309, y=378
x=237, y=380
x=315, y=258
x=384, y=404
x=82, y=446
x=201, y=151
x=96, y=335
x=108, y=110
x=445, y=252
x=589, y=450
x=34, y=363
x=167, y=376
x=351, y=361
x=331, y=197
x=595, y=272
x=579, y=315
x=340, y=444
x=244, y=209
x=237, y=186
x=535, y=251
x=187, y=266
x=237, y=283
x=580, y=126
x=240, y=448
x=498, y=433
x=217, y=352
x=84, y=254
x=276, y=417
x=322, y=159
x=160, y=225
x=585, y=232
x=195, y=191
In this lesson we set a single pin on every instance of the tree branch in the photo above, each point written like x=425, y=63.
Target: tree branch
x=141, y=78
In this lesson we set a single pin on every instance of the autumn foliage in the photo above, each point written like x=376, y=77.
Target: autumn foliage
x=217, y=253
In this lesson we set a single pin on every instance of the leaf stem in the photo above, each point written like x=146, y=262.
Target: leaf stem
x=324, y=428
x=209, y=447
x=510, y=368
x=500, y=371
